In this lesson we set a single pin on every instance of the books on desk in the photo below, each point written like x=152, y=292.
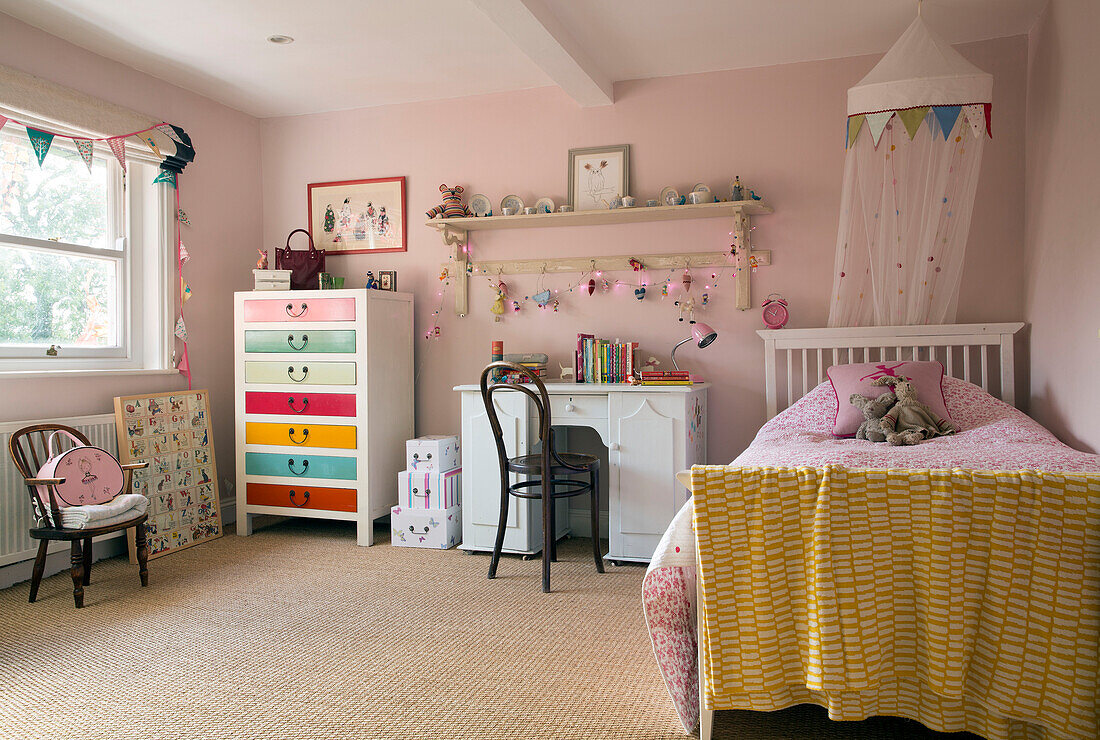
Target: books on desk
x=603, y=361
x=665, y=377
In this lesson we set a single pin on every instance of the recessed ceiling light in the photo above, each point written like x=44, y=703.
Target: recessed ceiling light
x=279, y=38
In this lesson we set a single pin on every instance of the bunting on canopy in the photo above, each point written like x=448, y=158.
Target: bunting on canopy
x=917, y=124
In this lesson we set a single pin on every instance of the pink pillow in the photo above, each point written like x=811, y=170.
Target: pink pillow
x=927, y=378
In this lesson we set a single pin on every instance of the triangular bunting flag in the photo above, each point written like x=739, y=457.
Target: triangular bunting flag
x=989, y=119
x=855, y=123
x=876, y=123
x=166, y=176
x=182, y=216
x=181, y=329
x=153, y=145
x=184, y=366
x=185, y=256
x=185, y=291
x=41, y=141
x=84, y=148
x=912, y=118
x=118, y=148
x=946, y=115
x=975, y=116
x=168, y=131
x=3, y=120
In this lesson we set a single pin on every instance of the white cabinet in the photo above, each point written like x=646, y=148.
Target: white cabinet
x=324, y=403
x=649, y=432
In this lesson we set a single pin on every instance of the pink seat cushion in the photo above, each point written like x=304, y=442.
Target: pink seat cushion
x=927, y=378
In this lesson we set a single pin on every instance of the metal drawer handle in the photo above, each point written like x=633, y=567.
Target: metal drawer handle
x=290, y=341
x=290, y=374
x=305, y=405
x=305, y=436
x=305, y=466
x=290, y=310
x=299, y=505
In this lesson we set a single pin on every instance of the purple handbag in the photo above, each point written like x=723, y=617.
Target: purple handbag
x=305, y=266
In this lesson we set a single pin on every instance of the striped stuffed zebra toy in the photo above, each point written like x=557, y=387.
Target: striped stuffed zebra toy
x=452, y=205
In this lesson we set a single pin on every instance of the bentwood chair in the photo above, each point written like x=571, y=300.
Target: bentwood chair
x=28, y=448
x=547, y=472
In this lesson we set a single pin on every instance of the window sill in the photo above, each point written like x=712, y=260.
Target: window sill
x=90, y=373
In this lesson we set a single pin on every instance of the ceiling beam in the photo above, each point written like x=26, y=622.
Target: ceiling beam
x=541, y=36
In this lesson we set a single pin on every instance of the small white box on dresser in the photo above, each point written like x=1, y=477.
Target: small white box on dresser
x=432, y=452
x=429, y=489
x=435, y=529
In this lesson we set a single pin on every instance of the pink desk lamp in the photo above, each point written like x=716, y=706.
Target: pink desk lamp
x=701, y=334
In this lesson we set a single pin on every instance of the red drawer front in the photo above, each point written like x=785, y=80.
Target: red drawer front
x=299, y=309
x=302, y=404
x=302, y=497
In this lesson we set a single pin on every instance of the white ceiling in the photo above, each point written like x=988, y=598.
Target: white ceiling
x=357, y=53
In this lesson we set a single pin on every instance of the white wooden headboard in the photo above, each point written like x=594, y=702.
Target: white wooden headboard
x=793, y=358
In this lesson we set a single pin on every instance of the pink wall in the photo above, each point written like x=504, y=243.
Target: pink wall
x=779, y=128
x=220, y=192
x=1063, y=223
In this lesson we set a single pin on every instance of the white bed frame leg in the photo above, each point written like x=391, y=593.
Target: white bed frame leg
x=706, y=716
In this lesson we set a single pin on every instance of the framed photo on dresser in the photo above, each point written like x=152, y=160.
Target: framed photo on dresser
x=358, y=216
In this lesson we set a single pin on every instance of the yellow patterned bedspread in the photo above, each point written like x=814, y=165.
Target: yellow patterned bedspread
x=965, y=600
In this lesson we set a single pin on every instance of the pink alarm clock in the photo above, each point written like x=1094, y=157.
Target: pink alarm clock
x=775, y=311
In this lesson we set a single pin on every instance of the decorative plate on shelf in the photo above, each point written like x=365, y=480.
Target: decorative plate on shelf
x=670, y=196
x=480, y=205
x=700, y=187
x=544, y=205
x=511, y=201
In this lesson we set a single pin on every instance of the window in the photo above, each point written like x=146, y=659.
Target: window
x=84, y=259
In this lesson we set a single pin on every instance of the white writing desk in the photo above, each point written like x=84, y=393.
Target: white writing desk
x=650, y=432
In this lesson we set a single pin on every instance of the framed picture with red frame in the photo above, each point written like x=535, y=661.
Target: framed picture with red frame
x=358, y=216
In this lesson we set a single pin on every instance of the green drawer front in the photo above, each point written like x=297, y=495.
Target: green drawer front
x=319, y=340
x=299, y=466
x=300, y=373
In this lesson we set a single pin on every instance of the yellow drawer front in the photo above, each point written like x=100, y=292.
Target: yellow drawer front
x=300, y=435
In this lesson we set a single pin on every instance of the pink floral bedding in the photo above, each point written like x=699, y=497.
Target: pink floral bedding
x=994, y=436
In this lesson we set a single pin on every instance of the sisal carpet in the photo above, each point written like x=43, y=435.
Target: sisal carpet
x=297, y=633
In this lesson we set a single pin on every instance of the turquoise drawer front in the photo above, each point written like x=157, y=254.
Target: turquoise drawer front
x=318, y=340
x=299, y=466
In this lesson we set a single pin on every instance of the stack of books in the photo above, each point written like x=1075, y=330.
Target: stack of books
x=665, y=377
x=603, y=361
x=533, y=361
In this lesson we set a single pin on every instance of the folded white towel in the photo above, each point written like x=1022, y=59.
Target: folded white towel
x=119, y=509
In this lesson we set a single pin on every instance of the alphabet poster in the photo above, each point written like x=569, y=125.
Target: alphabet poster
x=173, y=433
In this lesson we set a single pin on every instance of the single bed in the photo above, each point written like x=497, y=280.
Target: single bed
x=955, y=582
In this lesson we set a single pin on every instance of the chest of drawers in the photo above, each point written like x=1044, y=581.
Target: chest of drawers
x=324, y=403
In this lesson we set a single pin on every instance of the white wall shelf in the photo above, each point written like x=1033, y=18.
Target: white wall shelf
x=455, y=233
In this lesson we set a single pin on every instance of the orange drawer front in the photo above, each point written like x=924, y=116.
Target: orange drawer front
x=302, y=497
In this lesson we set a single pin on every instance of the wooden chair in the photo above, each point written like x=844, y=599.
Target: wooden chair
x=28, y=449
x=535, y=467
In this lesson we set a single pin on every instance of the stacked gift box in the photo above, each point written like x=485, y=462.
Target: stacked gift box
x=429, y=510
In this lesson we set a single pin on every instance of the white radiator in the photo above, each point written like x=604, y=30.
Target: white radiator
x=15, y=505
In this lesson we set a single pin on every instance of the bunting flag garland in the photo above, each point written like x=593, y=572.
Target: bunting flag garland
x=153, y=145
x=118, y=148
x=41, y=141
x=912, y=118
x=166, y=176
x=184, y=366
x=84, y=148
x=181, y=329
x=185, y=256
x=185, y=290
x=876, y=124
x=182, y=216
x=168, y=131
x=3, y=120
x=946, y=115
x=854, y=125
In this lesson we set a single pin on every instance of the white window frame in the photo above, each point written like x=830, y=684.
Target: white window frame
x=144, y=220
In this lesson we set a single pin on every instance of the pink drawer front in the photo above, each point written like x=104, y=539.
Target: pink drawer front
x=300, y=309
x=304, y=404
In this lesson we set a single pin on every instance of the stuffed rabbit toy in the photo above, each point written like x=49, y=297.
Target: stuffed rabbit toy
x=909, y=422
x=873, y=410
